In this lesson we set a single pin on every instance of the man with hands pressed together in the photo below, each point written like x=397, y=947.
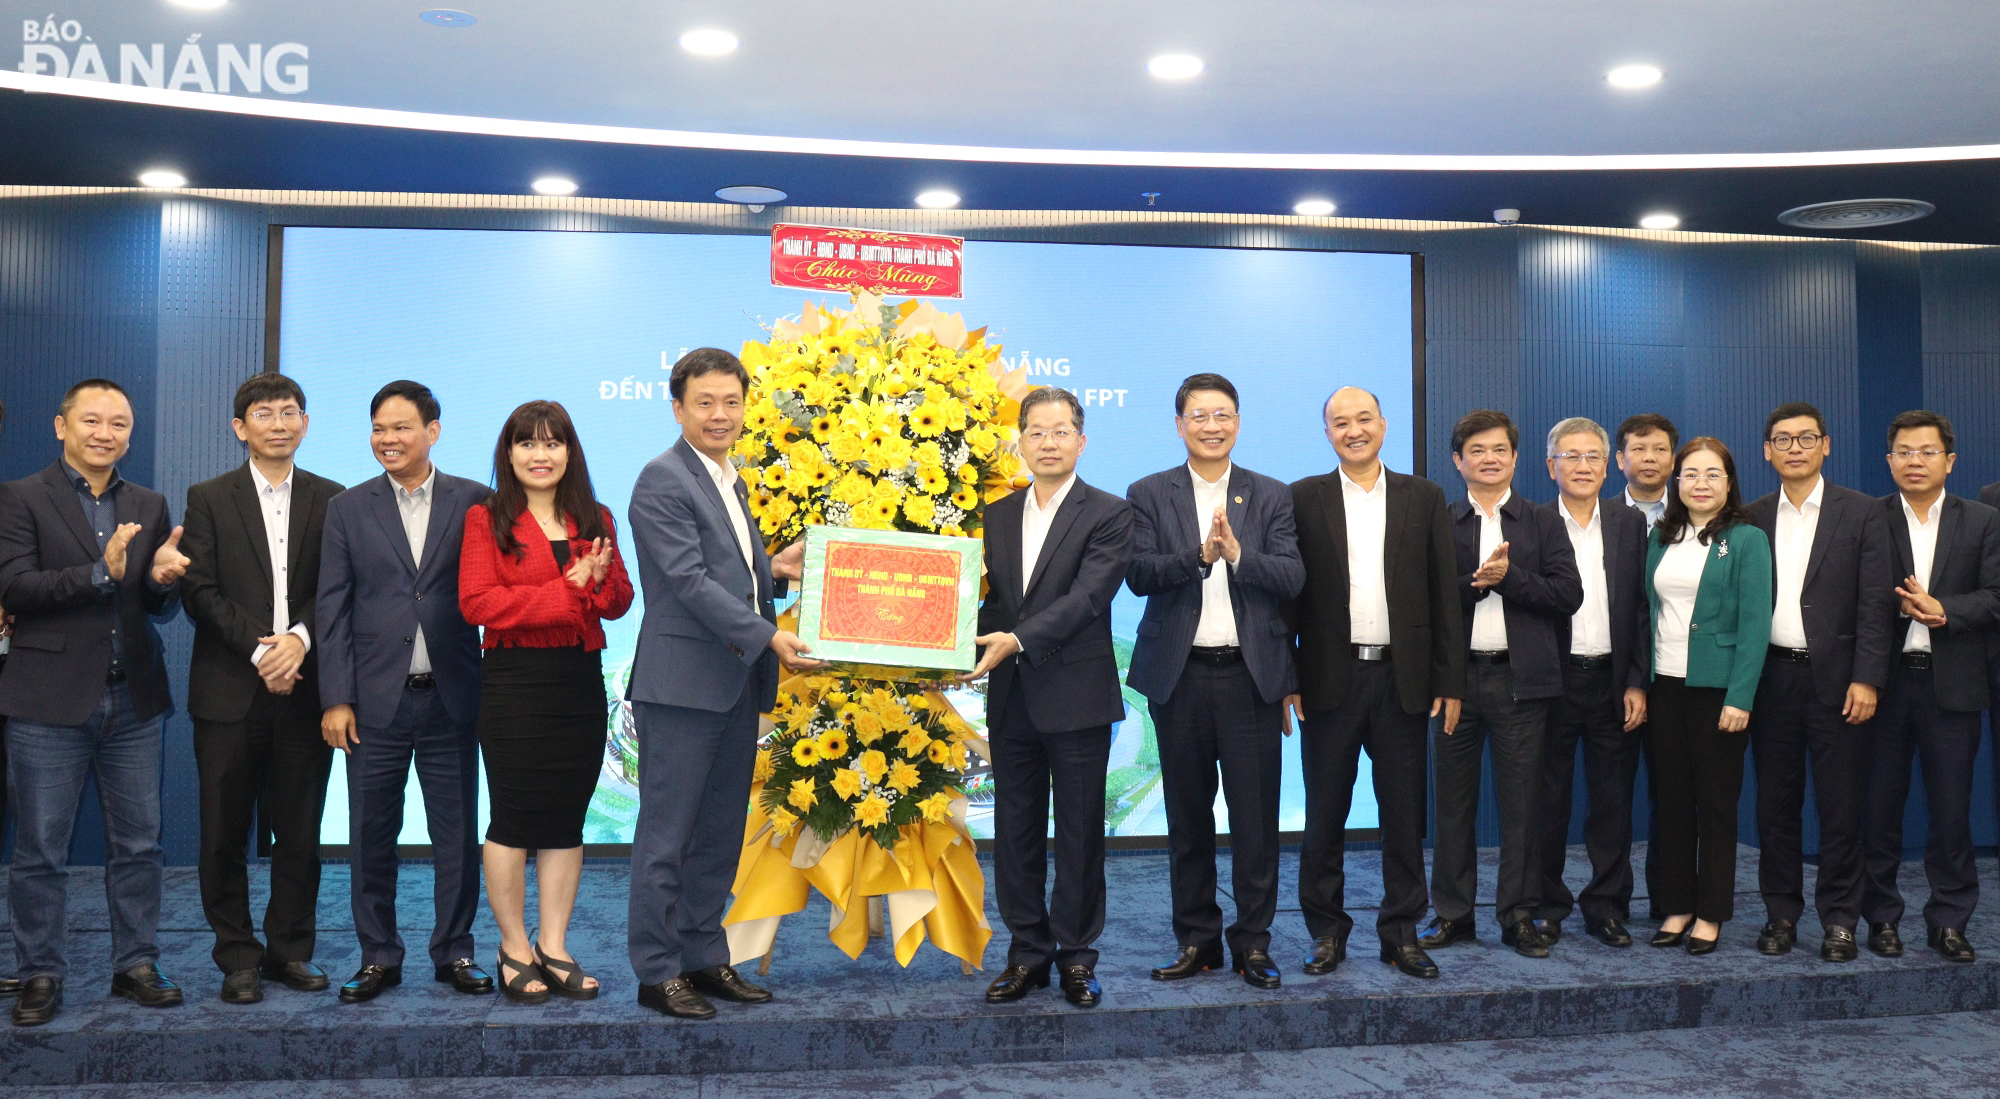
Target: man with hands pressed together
x=1947, y=559
x=253, y=689
x=1055, y=553
x=1214, y=555
x=1830, y=648
x=88, y=561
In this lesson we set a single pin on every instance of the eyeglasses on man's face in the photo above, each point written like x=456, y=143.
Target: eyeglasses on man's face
x=1581, y=457
x=1927, y=454
x=1806, y=441
x=1203, y=419
x=1060, y=435
x=264, y=417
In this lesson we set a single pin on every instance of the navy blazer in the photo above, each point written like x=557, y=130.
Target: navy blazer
x=1539, y=593
x=1849, y=598
x=372, y=598
x=1066, y=664
x=709, y=616
x=1624, y=565
x=1990, y=495
x=1167, y=571
x=63, y=623
x=1965, y=577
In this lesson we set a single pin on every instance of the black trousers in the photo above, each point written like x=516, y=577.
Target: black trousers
x=1027, y=765
x=1514, y=730
x=274, y=756
x=1945, y=742
x=1699, y=776
x=1792, y=726
x=1215, y=719
x=1371, y=719
x=1589, y=716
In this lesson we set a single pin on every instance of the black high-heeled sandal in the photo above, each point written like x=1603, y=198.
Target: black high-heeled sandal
x=565, y=979
x=525, y=973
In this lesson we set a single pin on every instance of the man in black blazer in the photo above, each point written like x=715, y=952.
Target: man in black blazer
x=1214, y=555
x=1830, y=646
x=9, y=985
x=1517, y=584
x=1381, y=647
x=1947, y=561
x=399, y=680
x=253, y=689
x=88, y=562
x=1606, y=667
x=1056, y=552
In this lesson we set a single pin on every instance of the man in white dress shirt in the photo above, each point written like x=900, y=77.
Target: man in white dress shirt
x=1647, y=444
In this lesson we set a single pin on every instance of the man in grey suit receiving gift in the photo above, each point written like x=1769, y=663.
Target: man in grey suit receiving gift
x=706, y=666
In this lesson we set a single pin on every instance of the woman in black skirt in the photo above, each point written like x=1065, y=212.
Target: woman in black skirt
x=540, y=571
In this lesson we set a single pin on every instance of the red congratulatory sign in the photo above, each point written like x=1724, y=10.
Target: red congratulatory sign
x=814, y=257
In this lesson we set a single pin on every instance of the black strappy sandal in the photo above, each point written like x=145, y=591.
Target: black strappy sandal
x=565, y=979
x=525, y=973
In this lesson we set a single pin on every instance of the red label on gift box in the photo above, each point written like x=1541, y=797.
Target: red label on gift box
x=815, y=257
x=890, y=595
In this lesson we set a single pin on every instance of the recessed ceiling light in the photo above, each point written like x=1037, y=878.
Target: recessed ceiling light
x=448, y=17
x=163, y=178
x=937, y=200
x=751, y=194
x=554, y=185
x=1314, y=208
x=708, y=42
x=1659, y=221
x=1633, y=76
x=202, y=4
x=1176, y=66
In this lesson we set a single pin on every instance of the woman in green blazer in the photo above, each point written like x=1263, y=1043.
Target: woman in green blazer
x=1708, y=582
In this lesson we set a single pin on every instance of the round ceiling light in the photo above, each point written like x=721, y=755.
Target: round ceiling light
x=203, y=5
x=554, y=185
x=708, y=42
x=1858, y=213
x=1176, y=66
x=751, y=195
x=1633, y=76
x=448, y=17
x=1660, y=221
x=1314, y=208
x=162, y=178
x=937, y=200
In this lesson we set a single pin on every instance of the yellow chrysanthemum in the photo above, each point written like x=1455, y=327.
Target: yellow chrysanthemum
x=764, y=768
x=915, y=743
x=805, y=752
x=833, y=745
x=920, y=510
x=875, y=765
x=801, y=795
x=904, y=777
x=846, y=784
x=937, y=807
x=873, y=812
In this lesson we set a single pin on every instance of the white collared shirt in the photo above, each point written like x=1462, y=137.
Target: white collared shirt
x=1489, y=612
x=275, y=501
x=1677, y=581
x=1923, y=553
x=415, y=507
x=1035, y=521
x=1367, y=537
x=724, y=474
x=1217, y=627
x=1791, y=552
x=1590, y=626
x=1651, y=509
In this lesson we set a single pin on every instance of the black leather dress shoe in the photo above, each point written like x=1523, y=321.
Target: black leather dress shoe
x=1327, y=954
x=369, y=981
x=10, y=986
x=676, y=997
x=1016, y=981
x=1884, y=940
x=1610, y=931
x=244, y=986
x=1777, y=938
x=464, y=975
x=723, y=983
x=1698, y=947
x=1258, y=970
x=1837, y=945
x=1193, y=961
x=143, y=985
x=1551, y=931
x=1442, y=933
x=1080, y=987
x=1524, y=939
x=1411, y=960
x=41, y=999
x=1663, y=937
x=1950, y=944
x=297, y=976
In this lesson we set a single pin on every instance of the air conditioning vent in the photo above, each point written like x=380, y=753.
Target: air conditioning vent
x=1858, y=213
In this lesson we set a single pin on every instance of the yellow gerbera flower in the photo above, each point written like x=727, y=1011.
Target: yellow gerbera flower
x=932, y=478
x=805, y=752
x=833, y=745
x=928, y=420
x=966, y=498
x=939, y=752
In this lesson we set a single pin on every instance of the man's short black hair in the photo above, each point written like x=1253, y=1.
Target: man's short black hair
x=1792, y=410
x=705, y=360
x=1645, y=423
x=69, y=395
x=1916, y=420
x=1049, y=394
x=414, y=392
x=1195, y=383
x=258, y=388
x=1483, y=419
